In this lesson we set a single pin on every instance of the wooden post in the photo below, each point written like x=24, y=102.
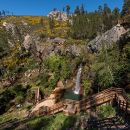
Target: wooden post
x=115, y=96
x=119, y=103
x=126, y=107
x=114, y=102
x=123, y=105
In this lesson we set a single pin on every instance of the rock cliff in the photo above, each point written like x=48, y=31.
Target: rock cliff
x=107, y=39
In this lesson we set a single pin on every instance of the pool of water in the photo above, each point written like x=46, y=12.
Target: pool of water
x=69, y=94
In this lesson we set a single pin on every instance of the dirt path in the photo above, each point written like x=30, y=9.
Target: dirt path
x=48, y=103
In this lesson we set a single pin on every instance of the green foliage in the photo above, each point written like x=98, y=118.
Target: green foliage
x=51, y=24
x=5, y=99
x=58, y=65
x=4, y=46
x=87, y=85
x=89, y=25
x=110, y=68
x=86, y=26
x=127, y=51
x=19, y=99
x=17, y=92
x=106, y=111
x=57, y=68
x=42, y=79
x=126, y=8
x=57, y=122
x=68, y=9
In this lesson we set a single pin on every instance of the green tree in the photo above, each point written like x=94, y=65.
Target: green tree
x=77, y=10
x=68, y=9
x=107, y=18
x=116, y=15
x=82, y=11
x=100, y=9
x=110, y=68
x=126, y=8
x=59, y=68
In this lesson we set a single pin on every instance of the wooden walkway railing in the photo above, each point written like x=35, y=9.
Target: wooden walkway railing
x=109, y=95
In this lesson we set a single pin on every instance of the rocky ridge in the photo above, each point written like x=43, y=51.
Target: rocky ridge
x=107, y=39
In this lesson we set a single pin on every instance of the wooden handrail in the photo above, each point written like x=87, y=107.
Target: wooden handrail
x=96, y=99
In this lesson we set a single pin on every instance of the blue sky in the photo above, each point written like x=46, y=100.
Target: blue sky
x=42, y=7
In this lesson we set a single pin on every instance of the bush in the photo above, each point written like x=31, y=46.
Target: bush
x=106, y=111
x=59, y=66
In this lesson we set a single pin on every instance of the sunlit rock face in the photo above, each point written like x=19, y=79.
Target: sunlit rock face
x=107, y=39
x=57, y=15
x=27, y=41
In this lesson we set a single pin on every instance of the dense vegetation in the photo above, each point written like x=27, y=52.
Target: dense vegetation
x=88, y=25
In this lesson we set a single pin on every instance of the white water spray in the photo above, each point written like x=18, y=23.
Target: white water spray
x=78, y=78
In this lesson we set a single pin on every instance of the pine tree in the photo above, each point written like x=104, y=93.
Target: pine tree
x=100, y=9
x=116, y=15
x=3, y=13
x=77, y=10
x=82, y=9
x=126, y=8
x=107, y=18
x=68, y=9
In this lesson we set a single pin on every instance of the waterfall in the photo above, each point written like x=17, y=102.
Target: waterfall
x=78, y=77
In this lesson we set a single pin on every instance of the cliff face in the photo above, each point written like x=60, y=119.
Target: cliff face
x=107, y=39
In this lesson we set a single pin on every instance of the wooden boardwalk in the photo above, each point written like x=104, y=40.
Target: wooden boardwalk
x=110, y=95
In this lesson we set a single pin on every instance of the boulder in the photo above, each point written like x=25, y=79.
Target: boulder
x=27, y=41
x=58, y=40
x=57, y=15
x=60, y=84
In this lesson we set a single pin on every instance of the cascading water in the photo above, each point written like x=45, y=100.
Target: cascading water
x=77, y=86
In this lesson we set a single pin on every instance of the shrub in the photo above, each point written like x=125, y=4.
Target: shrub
x=106, y=111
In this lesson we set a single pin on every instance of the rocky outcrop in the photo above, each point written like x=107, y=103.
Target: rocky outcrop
x=107, y=39
x=57, y=40
x=71, y=50
x=16, y=32
x=57, y=15
x=27, y=42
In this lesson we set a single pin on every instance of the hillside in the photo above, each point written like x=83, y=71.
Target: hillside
x=43, y=57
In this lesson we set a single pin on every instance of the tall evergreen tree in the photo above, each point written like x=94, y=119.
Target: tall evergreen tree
x=77, y=10
x=116, y=15
x=3, y=13
x=126, y=8
x=68, y=9
x=100, y=9
x=107, y=18
x=82, y=11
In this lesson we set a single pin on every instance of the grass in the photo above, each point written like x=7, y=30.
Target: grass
x=57, y=122
x=15, y=114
